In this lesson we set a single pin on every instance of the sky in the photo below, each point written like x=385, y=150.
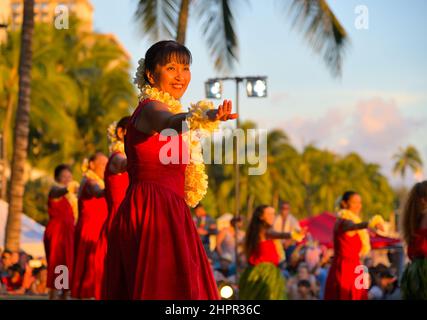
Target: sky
x=378, y=105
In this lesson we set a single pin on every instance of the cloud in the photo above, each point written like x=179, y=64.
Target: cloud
x=303, y=130
x=278, y=97
x=374, y=128
x=377, y=127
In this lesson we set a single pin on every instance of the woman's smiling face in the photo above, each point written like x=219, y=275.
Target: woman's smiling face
x=173, y=78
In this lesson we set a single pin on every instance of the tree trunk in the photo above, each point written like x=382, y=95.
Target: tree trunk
x=21, y=131
x=182, y=21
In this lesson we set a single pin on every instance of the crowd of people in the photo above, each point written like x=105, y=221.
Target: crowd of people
x=126, y=230
x=303, y=265
x=300, y=267
x=19, y=276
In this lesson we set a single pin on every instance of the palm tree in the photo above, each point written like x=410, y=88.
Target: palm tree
x=80, y=84
x=168, y=19
x=407, y=158
x=49, y=106
x=21, y=131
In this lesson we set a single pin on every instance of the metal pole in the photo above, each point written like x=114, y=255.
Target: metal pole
x=237, y=186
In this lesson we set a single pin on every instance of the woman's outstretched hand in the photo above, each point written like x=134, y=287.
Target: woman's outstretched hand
x=223, y=113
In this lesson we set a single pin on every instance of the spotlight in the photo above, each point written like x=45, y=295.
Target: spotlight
x=256, y=87
x=213, y=89
x=226, y=291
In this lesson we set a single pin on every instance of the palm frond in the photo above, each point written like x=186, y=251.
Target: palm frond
x=218, y=28
x=158, y=18
x=323, y=31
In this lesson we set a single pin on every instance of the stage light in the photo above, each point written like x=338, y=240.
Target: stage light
x=226, y=291
x=256, y=87
x=213, y=89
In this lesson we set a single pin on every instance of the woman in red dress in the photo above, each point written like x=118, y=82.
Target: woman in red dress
x=154, y=251
x=262, y=280
x=116, y=183
x=414, y=278
x=59, y=232
x=93, y=211
x=347, y=279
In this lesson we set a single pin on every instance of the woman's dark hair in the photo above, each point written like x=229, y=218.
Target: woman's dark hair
x=162, y=52
x=16, y=268
x=123, y=122
x=346, y=197
x=236, y=220
x=412, y=211
x=252, y=236
x=95, y=156
x=59, y=169
x=304, y=283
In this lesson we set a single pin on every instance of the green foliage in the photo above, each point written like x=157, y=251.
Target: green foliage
x=311, y=180
x=262, y=282
x=35, y=199
x=407, y=158
x=414, y=280
x=80, y=84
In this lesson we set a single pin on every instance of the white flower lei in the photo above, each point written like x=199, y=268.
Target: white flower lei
x=196, y=179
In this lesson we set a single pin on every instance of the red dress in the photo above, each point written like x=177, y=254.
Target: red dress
x=59, y=238
x=92, y=214
x=343, y=282
x=265, y=252
x=115, y=191
x=154, y=251
x=418, y=246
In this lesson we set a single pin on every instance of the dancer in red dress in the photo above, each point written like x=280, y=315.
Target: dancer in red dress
x=414, y=278
x=154, y=251
x=116, y=183
x=93, y=212
x=59, y=233
x=346, y=279
x=262, y=279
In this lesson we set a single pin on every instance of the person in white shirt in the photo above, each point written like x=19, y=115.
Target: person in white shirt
x=285, y=221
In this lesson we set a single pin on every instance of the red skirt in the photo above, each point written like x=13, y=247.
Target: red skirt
x=345, y=281
x=88, y=231
x=59, y=248
x=154, y=250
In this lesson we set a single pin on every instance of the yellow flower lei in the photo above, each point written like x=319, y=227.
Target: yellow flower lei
x=89, y=174
x=363, y=233
x=196, y=179
x=148, y=92
x=297, y=235
x=115, y=144
x=376, y=219
x=279, y=249
x=71, y=196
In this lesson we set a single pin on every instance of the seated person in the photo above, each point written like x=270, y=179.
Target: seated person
x=302, y=274
x=14, y=281
x=5, y=264
x=304, y=291
x=38, y=286
x=225, y=270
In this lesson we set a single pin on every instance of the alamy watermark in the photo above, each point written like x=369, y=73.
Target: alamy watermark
x=62, y=280
x=362, y=18
x=362, y=281
x=62, y=17
x=251, y=146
